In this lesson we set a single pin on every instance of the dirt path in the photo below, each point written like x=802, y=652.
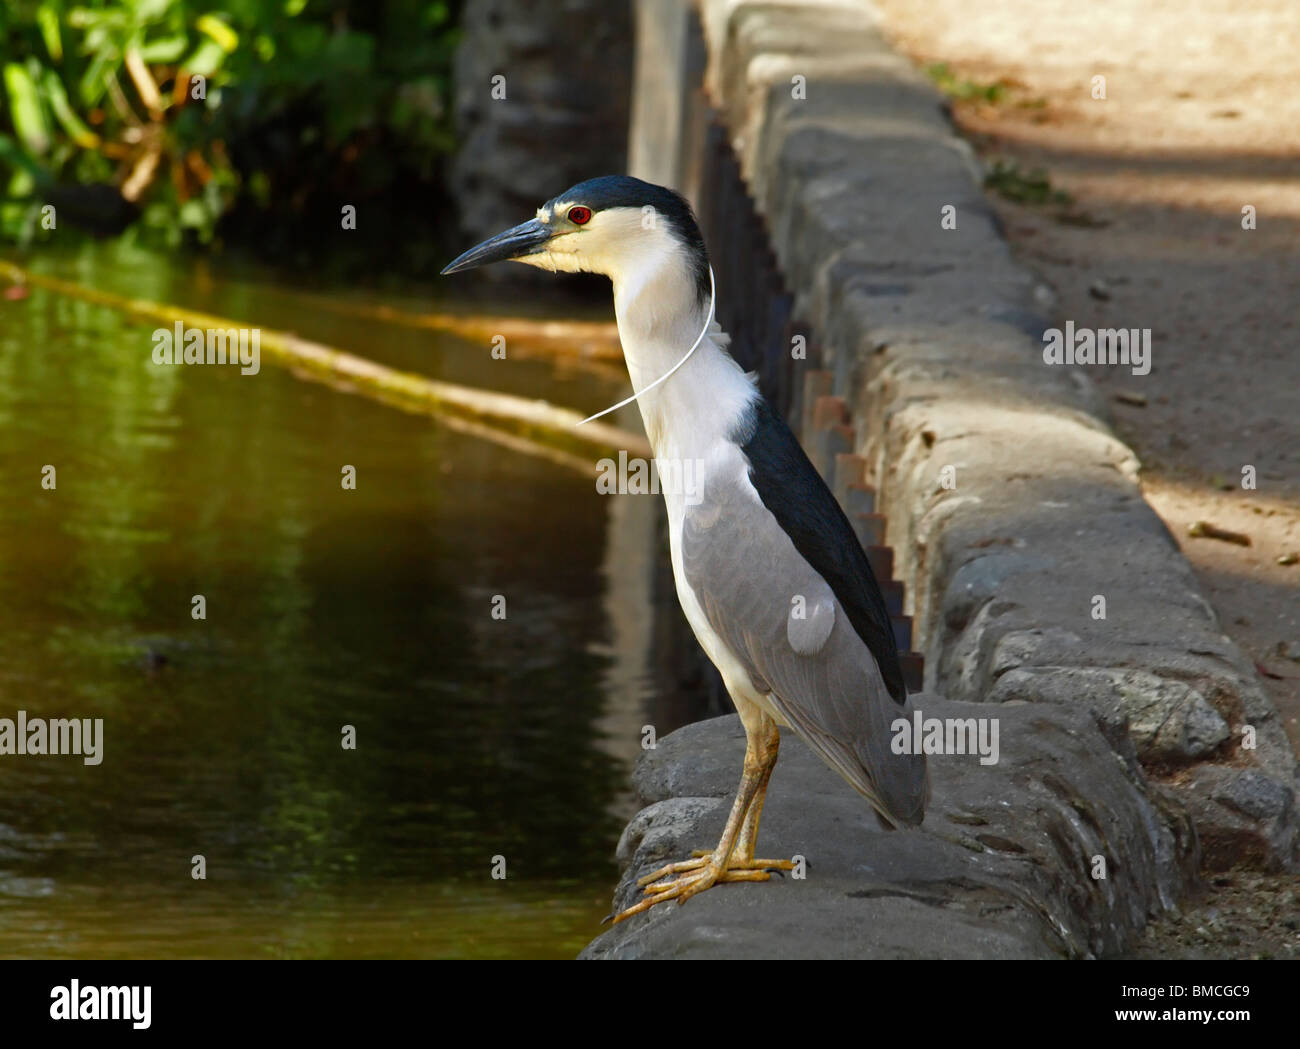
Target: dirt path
x=1201, y=117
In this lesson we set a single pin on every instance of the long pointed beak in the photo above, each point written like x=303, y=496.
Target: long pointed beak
x=525, y=239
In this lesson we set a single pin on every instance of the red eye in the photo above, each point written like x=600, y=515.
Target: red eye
x=580, y=216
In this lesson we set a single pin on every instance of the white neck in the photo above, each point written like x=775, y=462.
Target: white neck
x=659, y=318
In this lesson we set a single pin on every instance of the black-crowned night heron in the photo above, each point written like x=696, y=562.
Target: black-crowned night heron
x=769, y=573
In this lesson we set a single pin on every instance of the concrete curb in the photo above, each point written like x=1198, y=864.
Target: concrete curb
x=1011, y=504
x=993, y=873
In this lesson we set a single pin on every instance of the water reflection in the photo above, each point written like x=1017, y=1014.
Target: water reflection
x=325, y=607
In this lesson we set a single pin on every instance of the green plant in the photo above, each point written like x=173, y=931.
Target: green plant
x=963, y=89
x=1024, y=187
x=191, y=108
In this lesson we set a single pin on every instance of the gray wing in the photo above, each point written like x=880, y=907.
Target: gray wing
x=784, y=624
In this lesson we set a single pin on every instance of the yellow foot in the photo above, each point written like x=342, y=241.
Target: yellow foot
x=690, y=877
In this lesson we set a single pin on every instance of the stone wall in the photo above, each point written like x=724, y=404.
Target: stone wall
x=1012, y=506
x=935, y=338
x=567, y=68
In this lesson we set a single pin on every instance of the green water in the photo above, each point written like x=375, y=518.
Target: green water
x=476, y=737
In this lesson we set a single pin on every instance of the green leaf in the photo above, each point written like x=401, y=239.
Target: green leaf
x=205, y=59
x=147, y=11
x=166, y=49
x=25, y=106
x=26, y=172
x=225, y=37
x=21, y=185
x=194, y=213
x=48, y=19
x=93, y=81
x=57, y=98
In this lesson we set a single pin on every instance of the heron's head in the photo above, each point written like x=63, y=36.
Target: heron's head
x=629, y=230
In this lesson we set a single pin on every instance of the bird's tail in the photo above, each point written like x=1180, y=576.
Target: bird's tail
x=896, y=784
x=900, y=781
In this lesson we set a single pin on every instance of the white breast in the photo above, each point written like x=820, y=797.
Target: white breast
x=689, y=418
x=723, y=463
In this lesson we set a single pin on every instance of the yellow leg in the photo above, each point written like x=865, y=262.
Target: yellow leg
x=733, y=859
x=744, y=850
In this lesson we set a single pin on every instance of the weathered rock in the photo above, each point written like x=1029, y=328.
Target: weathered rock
x=1167, y=720
x=1244, y=817
x=563, y=118
x=1002, y=867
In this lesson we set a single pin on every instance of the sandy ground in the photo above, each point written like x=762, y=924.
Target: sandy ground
x=1201, y=117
